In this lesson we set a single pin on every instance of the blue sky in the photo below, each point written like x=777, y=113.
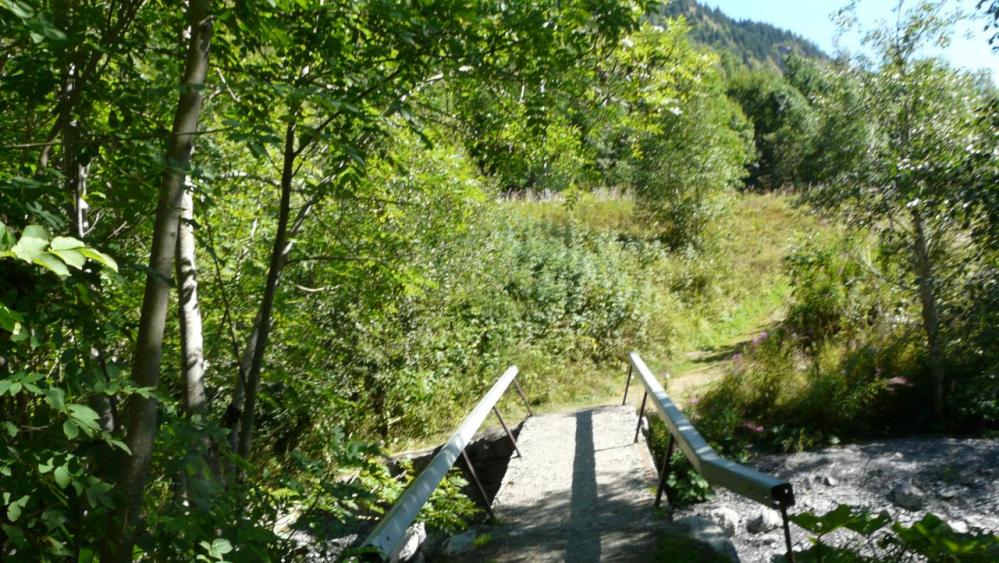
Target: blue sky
x=810, y=19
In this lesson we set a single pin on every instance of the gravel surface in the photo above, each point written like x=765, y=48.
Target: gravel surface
x=582, y=492
x=952, y=478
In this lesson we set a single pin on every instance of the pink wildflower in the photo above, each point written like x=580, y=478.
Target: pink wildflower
x=752, y=426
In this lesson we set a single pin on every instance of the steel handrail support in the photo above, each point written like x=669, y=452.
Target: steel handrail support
x=716, y=470
x=392, y=529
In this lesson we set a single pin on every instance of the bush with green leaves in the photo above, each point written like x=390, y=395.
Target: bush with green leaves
x=783, y=122
x=846, y=361
x=685, y=486
x=51, y=390
x=695, y=146
x=874, y=537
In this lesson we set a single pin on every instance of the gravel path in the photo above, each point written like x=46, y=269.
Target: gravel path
x=955, y=479
x=582, y=492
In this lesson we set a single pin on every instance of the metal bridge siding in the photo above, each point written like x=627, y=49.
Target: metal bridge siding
x=581, y=488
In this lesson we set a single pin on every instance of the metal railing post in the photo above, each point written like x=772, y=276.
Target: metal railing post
x=664, y=474
x=523, y=398
x=626, y=386
x=507, y=430
x=787, y=534
x=482, y=490
x=641, y=413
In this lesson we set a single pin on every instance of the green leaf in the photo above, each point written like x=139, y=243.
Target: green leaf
x=865, y=523
x=97, y=493
x=72, y=257
x=66, y=243
x=10, y=320
x=13, y=512
x=218, y=548
x=85, y=417
x=14, y=508
x=120, y=445
x=10, y=428
x=56, y=398
x=83, y=413
x=52, y=263
x=62, y=476
x=99, y=257
x=18, y=8
x=70, y=429
x=3, y=236
x=825, y=523
x=20, y=335
x=33, y=242
x=44, y=468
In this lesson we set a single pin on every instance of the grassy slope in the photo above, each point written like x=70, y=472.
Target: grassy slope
x=747, y=292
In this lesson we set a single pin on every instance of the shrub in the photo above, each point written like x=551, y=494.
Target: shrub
x=839, y=365
x=872, y=539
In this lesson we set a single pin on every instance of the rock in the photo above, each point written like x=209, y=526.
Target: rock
x=769, y=540
x=764, y=521
x=704, y=530
x=907, y=496
x=958, y=526
x=727, y=519
x=948, y=493
x=460, y=543
x=410, y=544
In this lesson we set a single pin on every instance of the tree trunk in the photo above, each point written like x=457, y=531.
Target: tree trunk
x=263, y=325
x=930, y=313
x=141, y=417
x=192, y=349
x=234, y=412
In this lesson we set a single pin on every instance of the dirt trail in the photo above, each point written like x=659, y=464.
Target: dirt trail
x=708, y=367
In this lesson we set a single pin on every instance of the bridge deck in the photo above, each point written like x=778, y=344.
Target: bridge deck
x=582, y=492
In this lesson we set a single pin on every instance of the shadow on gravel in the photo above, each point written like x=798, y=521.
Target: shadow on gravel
x=583, y=546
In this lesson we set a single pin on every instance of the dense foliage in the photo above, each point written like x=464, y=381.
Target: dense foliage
x=242, y=243
x=874, y=537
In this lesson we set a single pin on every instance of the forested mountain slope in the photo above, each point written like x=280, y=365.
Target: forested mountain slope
x=756, y=43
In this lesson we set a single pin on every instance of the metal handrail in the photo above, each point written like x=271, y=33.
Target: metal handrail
x=390, y=532
x=716, y=470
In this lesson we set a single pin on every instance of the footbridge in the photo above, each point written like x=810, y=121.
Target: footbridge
x=582, y=486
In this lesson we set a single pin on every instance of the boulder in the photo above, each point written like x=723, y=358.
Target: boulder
x=410, y=544
x=460, y=543
x=706, y=531
x=727, y=519
x=764, y=521
x=907, y=496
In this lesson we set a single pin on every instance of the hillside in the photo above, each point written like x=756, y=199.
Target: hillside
x=756, y=43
